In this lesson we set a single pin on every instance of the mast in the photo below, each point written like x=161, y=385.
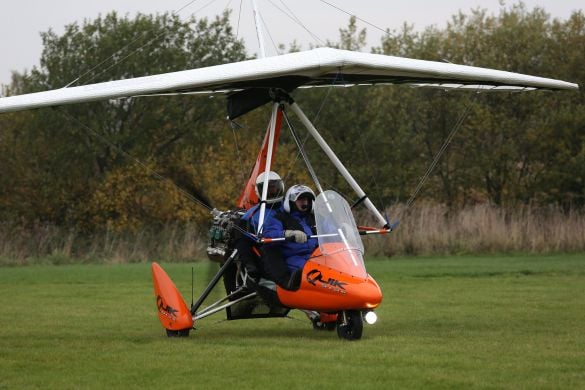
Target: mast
x=259, y=33
x=264, y=195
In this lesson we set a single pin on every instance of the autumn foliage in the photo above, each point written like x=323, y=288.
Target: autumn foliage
x=143, y=163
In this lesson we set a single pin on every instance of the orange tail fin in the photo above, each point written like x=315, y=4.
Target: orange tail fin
x=173, y=313
x=248, y=197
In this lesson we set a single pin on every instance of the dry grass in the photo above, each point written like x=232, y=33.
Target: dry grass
x=433, y=229
x=50, y=244
x=425, y=229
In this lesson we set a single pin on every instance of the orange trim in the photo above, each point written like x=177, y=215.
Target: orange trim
x=248, y=197
x=326, y=317
x=256, y=251
x=366, y=228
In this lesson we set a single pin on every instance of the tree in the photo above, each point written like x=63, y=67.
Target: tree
x=70, y=165
x=513, y=147
x=77, y=148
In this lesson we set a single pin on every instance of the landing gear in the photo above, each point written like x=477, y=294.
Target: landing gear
x=318, y=325
x=321, y=320
x=178, y=333
x=350, y=325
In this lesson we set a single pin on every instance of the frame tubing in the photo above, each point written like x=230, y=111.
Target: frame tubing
x=215, y=304
x=197, y=316
x=270, y=150
x=213, y=282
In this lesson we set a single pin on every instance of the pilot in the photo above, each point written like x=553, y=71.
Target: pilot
x=273, y=200
x=256, y=263
x=296, y=222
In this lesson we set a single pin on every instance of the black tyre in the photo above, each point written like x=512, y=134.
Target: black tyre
x=350, y=325
x=178, y=333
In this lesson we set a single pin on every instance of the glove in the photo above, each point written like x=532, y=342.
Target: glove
x=296, y=236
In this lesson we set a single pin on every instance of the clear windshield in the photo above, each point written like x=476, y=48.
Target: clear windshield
x=339, y=239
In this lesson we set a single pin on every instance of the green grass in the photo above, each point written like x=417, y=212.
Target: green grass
x=452, y=322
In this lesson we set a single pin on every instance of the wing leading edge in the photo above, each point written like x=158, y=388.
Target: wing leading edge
x=317, y=67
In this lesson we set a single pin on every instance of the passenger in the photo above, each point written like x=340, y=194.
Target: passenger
x=295, y=222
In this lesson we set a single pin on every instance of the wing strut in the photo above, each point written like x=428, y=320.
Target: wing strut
x=338, y=164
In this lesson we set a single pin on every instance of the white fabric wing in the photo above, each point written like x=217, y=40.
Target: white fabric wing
x=317, y=67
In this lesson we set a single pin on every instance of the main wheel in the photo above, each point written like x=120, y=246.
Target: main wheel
x=350, y=325
x=178, y=333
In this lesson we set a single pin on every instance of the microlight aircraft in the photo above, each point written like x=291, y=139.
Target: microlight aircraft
x=335, y=289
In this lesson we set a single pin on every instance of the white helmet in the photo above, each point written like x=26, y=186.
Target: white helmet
x=275, y=187
x=294, y=193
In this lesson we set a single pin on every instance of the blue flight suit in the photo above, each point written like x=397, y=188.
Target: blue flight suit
x=252, y=216
x=295, y=254
x=250, y=253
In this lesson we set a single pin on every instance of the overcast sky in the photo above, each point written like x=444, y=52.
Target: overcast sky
x=23, y=20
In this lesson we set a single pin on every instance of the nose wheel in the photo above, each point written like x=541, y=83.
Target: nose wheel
x=350, y=325
x=178, y=333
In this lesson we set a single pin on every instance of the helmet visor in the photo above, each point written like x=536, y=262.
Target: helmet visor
x=296, y=196
x=275, y=190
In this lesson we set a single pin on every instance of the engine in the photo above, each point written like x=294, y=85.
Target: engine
x=223, y=234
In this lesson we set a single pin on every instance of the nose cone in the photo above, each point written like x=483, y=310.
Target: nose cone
x=370, y=293
x=173, y=313
x=325, y=289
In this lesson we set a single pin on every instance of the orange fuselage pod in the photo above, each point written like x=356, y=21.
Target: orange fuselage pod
x=173, y=313
x=248, y=197
x=328, y=289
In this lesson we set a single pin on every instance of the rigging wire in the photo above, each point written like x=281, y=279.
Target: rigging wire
x=104, y=139
x=448, y=140
x=314, y=121
x=373, y=176
x=242, y=173
x=176, y=12
x=239, y=17
x=300, y=145
x=303, y=152
x=137, y=39
x=355, y=16
x=132, y=158
x=295, y=19
x=269, y=35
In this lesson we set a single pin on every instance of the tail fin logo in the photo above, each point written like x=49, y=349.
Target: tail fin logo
x=166, y=310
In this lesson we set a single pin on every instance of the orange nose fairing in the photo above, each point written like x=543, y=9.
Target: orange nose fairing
x=326, y=289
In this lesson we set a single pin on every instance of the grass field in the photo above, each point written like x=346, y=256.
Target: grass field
x=452, y=322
